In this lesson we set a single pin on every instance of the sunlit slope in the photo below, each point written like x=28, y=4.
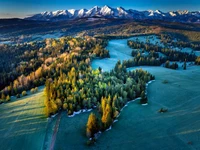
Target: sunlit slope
x=23, y=124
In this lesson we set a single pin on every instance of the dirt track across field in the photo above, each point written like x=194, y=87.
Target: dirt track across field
x=55, y=131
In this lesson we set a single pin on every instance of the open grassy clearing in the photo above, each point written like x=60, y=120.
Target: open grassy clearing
x=23, y=123
x=142, y=127
x=72, y=132
x=118, y=50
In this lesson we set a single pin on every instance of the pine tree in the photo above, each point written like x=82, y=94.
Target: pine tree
x=167, y=64
x=143, y=99
x=184, y=65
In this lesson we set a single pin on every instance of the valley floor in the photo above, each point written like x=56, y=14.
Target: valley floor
x=23, y=125
x=142, y=127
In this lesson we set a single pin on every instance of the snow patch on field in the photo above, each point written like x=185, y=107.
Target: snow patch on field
x=145, y=104
x=79, y=112
x=89, y=110
x=115, y=121
x=97, y=135
x=109, y=128
x=150, y=82
x=70, y=116
x=84, y=110
x=54, y=115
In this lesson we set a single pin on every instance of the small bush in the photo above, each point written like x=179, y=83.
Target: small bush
x=190, y=143
x=65, y=106
x=7, y=98
x=143, y=100
x=162, y=110
x=91, y=142
x=18, y=96
x=165, y=81
x=70, y=112
x=24, y=93
x=36, y=89
x=32, y=91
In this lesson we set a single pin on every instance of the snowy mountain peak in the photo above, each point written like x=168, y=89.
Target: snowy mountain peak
x=122, y=12
x=96, y=8
x=172, y=13
x=46, y=13
x=158, y=11
x=150, y=13
x=183, y=12
x=106, y=10
x=106, y=6
x=93, y=11
x=60, y=12
x=119, y=12
x=72, y=11
x=82, y=12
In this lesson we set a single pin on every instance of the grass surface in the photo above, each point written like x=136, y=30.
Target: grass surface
x=142, y=127
x=23, y=124
x=72, y=134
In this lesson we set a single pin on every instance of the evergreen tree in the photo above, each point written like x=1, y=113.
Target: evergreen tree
x=167, y=64
x=184, y=65
x=143, y=99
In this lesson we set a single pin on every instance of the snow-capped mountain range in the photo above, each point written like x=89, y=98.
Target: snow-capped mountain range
x=119, y=12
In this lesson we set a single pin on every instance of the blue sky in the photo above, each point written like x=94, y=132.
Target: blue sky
x=21, y=8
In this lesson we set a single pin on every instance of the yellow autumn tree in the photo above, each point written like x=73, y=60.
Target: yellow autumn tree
x=106, y=118
x=103, y=104
x=92, y=125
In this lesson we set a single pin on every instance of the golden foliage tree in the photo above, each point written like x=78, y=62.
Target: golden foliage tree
x=106, y=118
x=92, y=125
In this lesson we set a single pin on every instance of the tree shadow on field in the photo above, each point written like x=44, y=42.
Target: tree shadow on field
x=15, y=113
x=24, y=126
x=18, y=111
